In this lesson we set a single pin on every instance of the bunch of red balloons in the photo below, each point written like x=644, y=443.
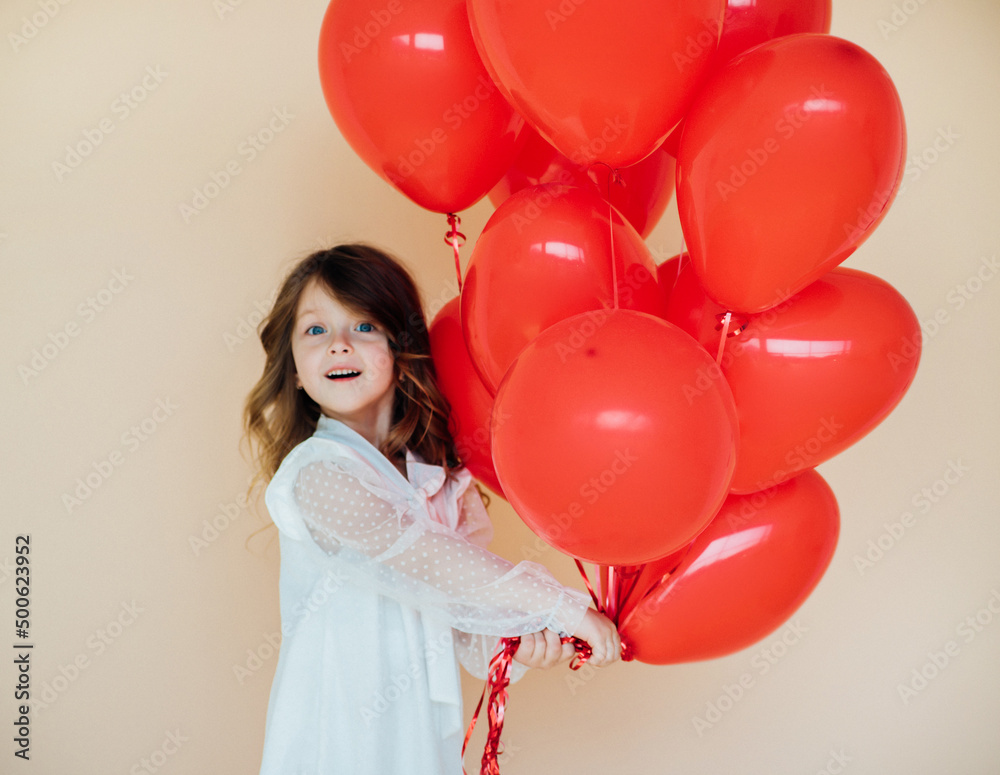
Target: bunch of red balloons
x=662, y=422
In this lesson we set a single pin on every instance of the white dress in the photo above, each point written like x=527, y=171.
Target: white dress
x=384, y=580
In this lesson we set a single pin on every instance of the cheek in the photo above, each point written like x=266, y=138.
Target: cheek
x=298, y=357
x=305, y=358
x=380, y=357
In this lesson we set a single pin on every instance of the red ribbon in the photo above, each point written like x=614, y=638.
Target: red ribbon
x=590, y=589
x=614, y=598
x=614, y=176
x=497, y=682
x=456, y=239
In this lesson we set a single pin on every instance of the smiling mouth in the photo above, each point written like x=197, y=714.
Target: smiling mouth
x=341, y=374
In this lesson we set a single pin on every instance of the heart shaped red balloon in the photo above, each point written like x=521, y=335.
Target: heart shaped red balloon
x=746, y=25
x=471, y=403
x=790, y=157
x=598, y=448
x=543, y=256
x=809, y=377
x=641, y=193
x=412, y=98
x=667, y=273
x=600, y=80
x=744, y=575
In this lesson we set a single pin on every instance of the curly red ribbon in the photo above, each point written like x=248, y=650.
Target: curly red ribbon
x=497, y=682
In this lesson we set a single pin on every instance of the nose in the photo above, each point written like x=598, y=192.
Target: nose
x=341, y=342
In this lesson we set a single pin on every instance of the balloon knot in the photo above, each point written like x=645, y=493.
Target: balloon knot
x=736, y=325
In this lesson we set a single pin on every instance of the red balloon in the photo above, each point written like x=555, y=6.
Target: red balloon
x=471, y=403
x=641, y=195
x=791, y=155
x=690, y=308
x=666, y=275
x=545, y=255
x=746, y=25
x=811, y=376
x=411, y=96
x=745, y=575
x=600, y=452
x=599, y=80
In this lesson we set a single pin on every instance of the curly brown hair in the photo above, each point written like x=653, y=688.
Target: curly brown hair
x=277, y=416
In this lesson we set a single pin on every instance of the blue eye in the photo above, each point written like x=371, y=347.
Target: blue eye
x=366, y=330
x=313, y=329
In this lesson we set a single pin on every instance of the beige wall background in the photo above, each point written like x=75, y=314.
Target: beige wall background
x=154, y=625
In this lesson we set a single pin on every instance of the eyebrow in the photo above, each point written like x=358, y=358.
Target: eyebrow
x=310, y=311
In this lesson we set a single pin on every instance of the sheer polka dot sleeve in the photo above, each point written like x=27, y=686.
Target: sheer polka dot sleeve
x=391, y=545
x=476, y=651
x=475, y=524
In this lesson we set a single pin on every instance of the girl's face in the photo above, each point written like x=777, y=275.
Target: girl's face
x=343, y=361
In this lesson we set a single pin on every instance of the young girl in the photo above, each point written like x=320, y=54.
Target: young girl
x=385, y=578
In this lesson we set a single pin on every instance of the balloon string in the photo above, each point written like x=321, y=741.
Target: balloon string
x=613, y=177
x=497, y=682
x=628, y=579
x=722, y=339
x=456, y=239
x=680, y=262
x=727, y=318
x=613, y=591
x=590, y=589
x=611, y=233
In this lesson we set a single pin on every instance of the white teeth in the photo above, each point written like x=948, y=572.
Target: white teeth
x=341, y=372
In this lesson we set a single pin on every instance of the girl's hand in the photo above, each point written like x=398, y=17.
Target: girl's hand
x=601, y=635
x=543, y=650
